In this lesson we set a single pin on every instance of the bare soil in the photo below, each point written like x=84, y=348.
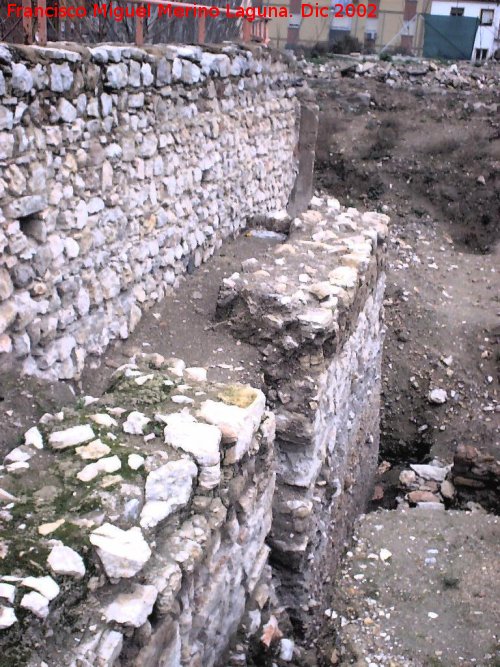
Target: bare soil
x=433, y=165
x=416, y=591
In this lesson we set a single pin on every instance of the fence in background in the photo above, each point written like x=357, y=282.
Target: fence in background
x=39, y=30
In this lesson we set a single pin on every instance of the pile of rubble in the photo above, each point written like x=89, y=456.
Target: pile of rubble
x=408, y=72
x=476, y=477
x=426, y=486
x=473, y=481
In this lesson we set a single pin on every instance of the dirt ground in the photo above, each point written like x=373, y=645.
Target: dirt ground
x=415, y=591
x=433, y=164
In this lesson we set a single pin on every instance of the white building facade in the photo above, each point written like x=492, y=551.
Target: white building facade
x=487, y=40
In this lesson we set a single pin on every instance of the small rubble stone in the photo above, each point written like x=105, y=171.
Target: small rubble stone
x=108, y=464
x=94, y=450
x=36, y=603
x=7, y=617
x=47, y=528
x=46, y=586
x=103, y=419
x=447, y=490
x=33, y=437
x=286, y=649
x=430, y=506
x=135, y=423
x=430, y=472
x=109, y=649
x=194, y=374
x=7, y=592
x=135, y=461
x=407, y=477
x=438, y=396
x=66, y=561
x=422, y=497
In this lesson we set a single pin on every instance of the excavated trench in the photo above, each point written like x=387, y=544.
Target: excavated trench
x=396, y=150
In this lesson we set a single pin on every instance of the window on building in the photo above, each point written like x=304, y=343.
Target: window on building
x=457, y=11
x=481, y=54
x=370, y=37
x=487, y=16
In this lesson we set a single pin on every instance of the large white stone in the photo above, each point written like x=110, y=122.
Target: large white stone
x=44, y=585
x=238, y=425
x=36, y=603
x=7, y=617
x=64, y=560
x=123, y=553
x=76, y=435
x=167, y=489
x=200, y=440
x=132, y=609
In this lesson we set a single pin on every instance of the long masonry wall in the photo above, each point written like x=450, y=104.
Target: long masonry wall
x=120, y=170
x=169, y=522
x=314, y=309
x=172, y=520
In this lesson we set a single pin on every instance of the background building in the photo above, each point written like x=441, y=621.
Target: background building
x=435, y=28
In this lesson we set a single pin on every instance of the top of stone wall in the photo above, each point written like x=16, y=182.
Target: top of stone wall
x=304, y=292
x=155, y=66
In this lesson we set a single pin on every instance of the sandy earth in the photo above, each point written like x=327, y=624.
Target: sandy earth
x=415, y=591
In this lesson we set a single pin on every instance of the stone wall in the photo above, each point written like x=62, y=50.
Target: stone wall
x=120, y=170
x=153, y=526
x=134, y=525
x=314, y=309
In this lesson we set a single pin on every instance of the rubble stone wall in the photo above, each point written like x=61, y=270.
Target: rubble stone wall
x=134, y=525
x=314, y=308
x=153, y=525
x=121, y=169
